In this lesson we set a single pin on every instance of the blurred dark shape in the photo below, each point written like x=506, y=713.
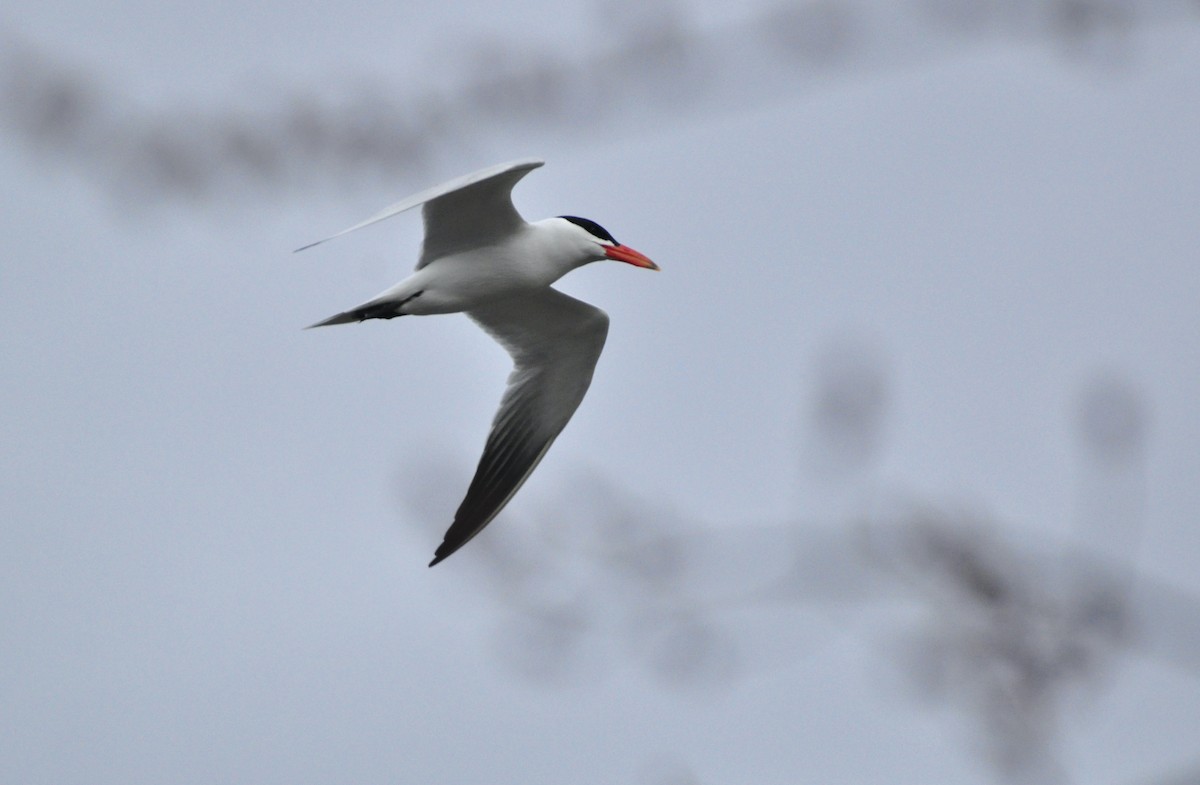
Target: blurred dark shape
x=513, y=84
x=164, y=159
x=686, y=650
x=1013, y=632
x=63, y=114
x=1112, y=420
x=847, y=411
x=1000, y=636
x=823, y=564
x=250, y=154
x=1111, y=427
x=973, y=16
x=630, y=537
x=1013, y=635
x=45, y=102
x=654, y=59
x=657, y=38
x=631, y=556
x=601, y=570
x=1097, y=31
x=1016, y=634
x=542, y=643
x=598, y=569
x=817, y=33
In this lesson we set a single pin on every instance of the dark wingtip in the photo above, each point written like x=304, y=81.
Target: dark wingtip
x=445, y=551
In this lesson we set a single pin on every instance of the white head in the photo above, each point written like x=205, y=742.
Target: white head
x=591, y=242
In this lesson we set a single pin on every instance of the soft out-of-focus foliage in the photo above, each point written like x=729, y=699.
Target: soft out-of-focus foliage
x=1011, y=635
x=653, y=55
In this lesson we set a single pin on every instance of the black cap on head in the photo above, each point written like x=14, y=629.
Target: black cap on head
x=591, y=227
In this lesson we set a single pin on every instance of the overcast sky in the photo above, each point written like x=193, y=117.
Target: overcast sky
x=216, y=525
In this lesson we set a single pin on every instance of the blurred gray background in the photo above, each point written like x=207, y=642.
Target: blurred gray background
x=891, y=476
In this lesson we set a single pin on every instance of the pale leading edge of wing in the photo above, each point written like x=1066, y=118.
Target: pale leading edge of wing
x=523, y=165
x=555, y=341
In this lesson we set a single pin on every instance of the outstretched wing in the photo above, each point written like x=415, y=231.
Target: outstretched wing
x=464, y=212
x=555, y=341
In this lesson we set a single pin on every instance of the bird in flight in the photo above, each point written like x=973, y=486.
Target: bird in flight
x=481, y=258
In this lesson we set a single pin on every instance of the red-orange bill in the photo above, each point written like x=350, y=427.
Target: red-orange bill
x=623, y=253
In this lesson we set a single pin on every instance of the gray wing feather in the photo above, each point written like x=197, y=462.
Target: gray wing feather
x=555, y=341
x=472, y=195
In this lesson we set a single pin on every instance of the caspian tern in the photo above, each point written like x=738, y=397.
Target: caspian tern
x=480, y=257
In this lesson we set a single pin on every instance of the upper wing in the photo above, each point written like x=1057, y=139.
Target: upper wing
x=555, y=341
x=474, y=205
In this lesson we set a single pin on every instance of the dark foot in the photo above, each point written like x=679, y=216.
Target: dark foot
x=388, y=311
x=385, y=310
